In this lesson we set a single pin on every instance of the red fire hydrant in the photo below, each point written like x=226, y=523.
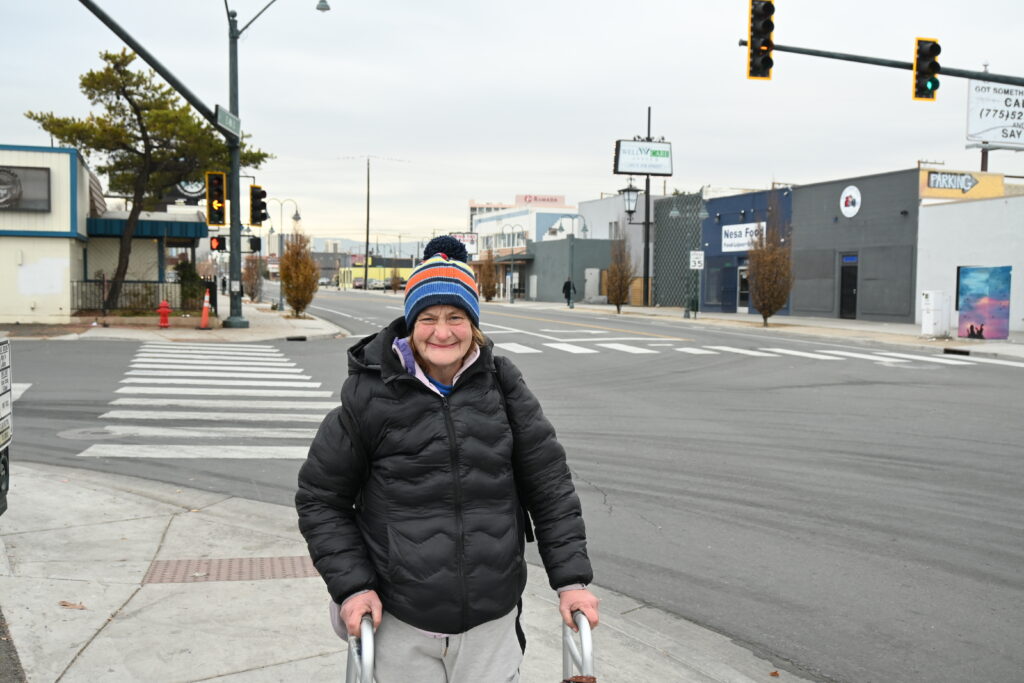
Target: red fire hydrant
x=165, y=311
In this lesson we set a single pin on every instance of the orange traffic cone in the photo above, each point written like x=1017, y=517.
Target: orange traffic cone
x=204, y=324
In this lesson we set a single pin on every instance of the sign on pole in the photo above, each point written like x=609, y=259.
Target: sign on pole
x=468, y=239
x=640, y=157
x=995, y=114
x=228, y=121
x=696, y=260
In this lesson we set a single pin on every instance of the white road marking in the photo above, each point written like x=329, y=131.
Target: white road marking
x=576, y=331
x=220, y=382
x=199, y=360
x=179, y=451
x=516, y=348
x=862, y=356
x=659, y=344
x=698, y=352
x=209, y=432
x=802, y=354
x=744, y=352
x=627, y=348
x=220, y=403
x=216, y=367
x=206, y=372
x=17, y=389
x=212, y=353
x=927, y=359
x=997, y=361
x=223, y=391
x=571, y=348
x=205, y=347
x=235, y=416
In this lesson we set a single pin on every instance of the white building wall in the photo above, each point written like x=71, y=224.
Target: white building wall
x=143, y=263
x=985, y=232
x=40, y=252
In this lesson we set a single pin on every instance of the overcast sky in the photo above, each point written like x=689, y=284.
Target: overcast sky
x=469, y=99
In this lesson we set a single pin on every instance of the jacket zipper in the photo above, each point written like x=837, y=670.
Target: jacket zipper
x=459, y=523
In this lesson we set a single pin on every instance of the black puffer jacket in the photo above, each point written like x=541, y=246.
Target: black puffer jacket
x=413, y=495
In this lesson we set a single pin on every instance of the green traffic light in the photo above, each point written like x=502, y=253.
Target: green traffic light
x=933, y=84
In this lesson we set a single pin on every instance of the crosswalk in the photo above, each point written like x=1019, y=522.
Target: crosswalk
x=637, y=347
x=176, y=400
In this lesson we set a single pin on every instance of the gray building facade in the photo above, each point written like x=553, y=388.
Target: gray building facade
x=855, y=247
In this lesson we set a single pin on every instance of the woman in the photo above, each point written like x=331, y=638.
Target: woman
x=414, y=495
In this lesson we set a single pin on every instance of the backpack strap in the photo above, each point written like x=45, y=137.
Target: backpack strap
x=527, y=522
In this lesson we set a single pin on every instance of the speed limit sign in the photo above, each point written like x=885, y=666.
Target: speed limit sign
x=696, y=260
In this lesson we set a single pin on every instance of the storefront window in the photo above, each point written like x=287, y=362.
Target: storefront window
x=713, y=286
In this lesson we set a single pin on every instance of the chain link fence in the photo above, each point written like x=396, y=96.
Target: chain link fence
x=676, y=232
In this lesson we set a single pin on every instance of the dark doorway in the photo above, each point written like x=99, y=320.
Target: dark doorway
x=848, y=288
x=729, y=282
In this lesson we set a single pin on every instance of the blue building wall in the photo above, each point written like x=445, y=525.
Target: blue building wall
x=722, y=286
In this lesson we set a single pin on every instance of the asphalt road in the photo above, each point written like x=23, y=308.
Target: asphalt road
x=854, y=519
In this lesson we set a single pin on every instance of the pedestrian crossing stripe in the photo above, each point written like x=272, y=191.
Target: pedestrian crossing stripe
x=256, y=348
x=192, y=360
x=928, y=359
x=697, y=351
x=516, y=348
x=220, y=403
x=167, y=367
x=209, y=433
x=231, y=416
x=204, y=372
x=570, y=348
x=223, y=391
x=744, y=352
x=223, y=382
x=863, y=356
x=626, y=348
x=212, y=354
x=193, y=452
x=801, y=354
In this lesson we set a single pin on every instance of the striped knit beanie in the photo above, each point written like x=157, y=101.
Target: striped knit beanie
x=442, y=278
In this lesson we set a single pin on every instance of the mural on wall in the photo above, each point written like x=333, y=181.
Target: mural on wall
x=984, y=297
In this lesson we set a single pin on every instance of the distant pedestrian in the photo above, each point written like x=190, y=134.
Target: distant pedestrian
x=568, y=291
x=223, y=284
x=416, y=495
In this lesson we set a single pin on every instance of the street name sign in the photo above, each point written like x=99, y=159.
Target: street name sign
x=228, y=122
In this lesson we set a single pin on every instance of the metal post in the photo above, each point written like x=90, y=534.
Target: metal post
x=234, y=145
x=366, y=251
x=572, y=283
x=647, y=225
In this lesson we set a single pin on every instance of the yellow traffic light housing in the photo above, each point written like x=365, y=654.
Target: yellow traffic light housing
x=759, y=40
x=926, y=66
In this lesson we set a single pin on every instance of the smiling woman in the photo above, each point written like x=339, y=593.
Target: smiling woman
x=418, y=490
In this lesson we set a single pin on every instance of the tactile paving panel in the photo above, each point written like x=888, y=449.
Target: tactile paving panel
x=230, y=569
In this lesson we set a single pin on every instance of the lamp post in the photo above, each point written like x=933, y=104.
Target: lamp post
x=280, y=243
x=512, y=262
x=234, y=146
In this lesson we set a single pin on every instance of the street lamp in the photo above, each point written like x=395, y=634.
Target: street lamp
x=280, y=243
x=512, y=266
x=629, y=195
x=234, y=146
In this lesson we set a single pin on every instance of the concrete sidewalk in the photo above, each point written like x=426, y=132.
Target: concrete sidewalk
x=111, y=578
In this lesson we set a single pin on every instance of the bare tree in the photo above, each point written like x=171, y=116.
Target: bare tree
x=299, y=273
x=252, y=279
x=488, y=276
x=620, y=274
x=770, y=263
x=396, y=280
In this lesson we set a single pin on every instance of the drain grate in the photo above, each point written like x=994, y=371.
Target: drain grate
x=230, y=569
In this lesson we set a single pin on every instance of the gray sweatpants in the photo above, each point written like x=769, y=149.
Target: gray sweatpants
x=487, y=653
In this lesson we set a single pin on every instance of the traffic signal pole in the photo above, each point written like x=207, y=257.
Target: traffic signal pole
x=235, y=318
x=893, y=64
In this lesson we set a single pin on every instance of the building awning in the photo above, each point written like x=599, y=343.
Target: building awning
x=514, y=258
x=190, y=225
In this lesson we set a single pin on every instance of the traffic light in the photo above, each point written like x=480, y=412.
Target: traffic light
x=925, y=67
x=257, y=205
x=759, y=39
x=254, y=244
x=216, y=198
x=218, y=243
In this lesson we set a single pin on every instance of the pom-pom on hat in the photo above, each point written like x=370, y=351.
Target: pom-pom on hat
x=443, y=278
